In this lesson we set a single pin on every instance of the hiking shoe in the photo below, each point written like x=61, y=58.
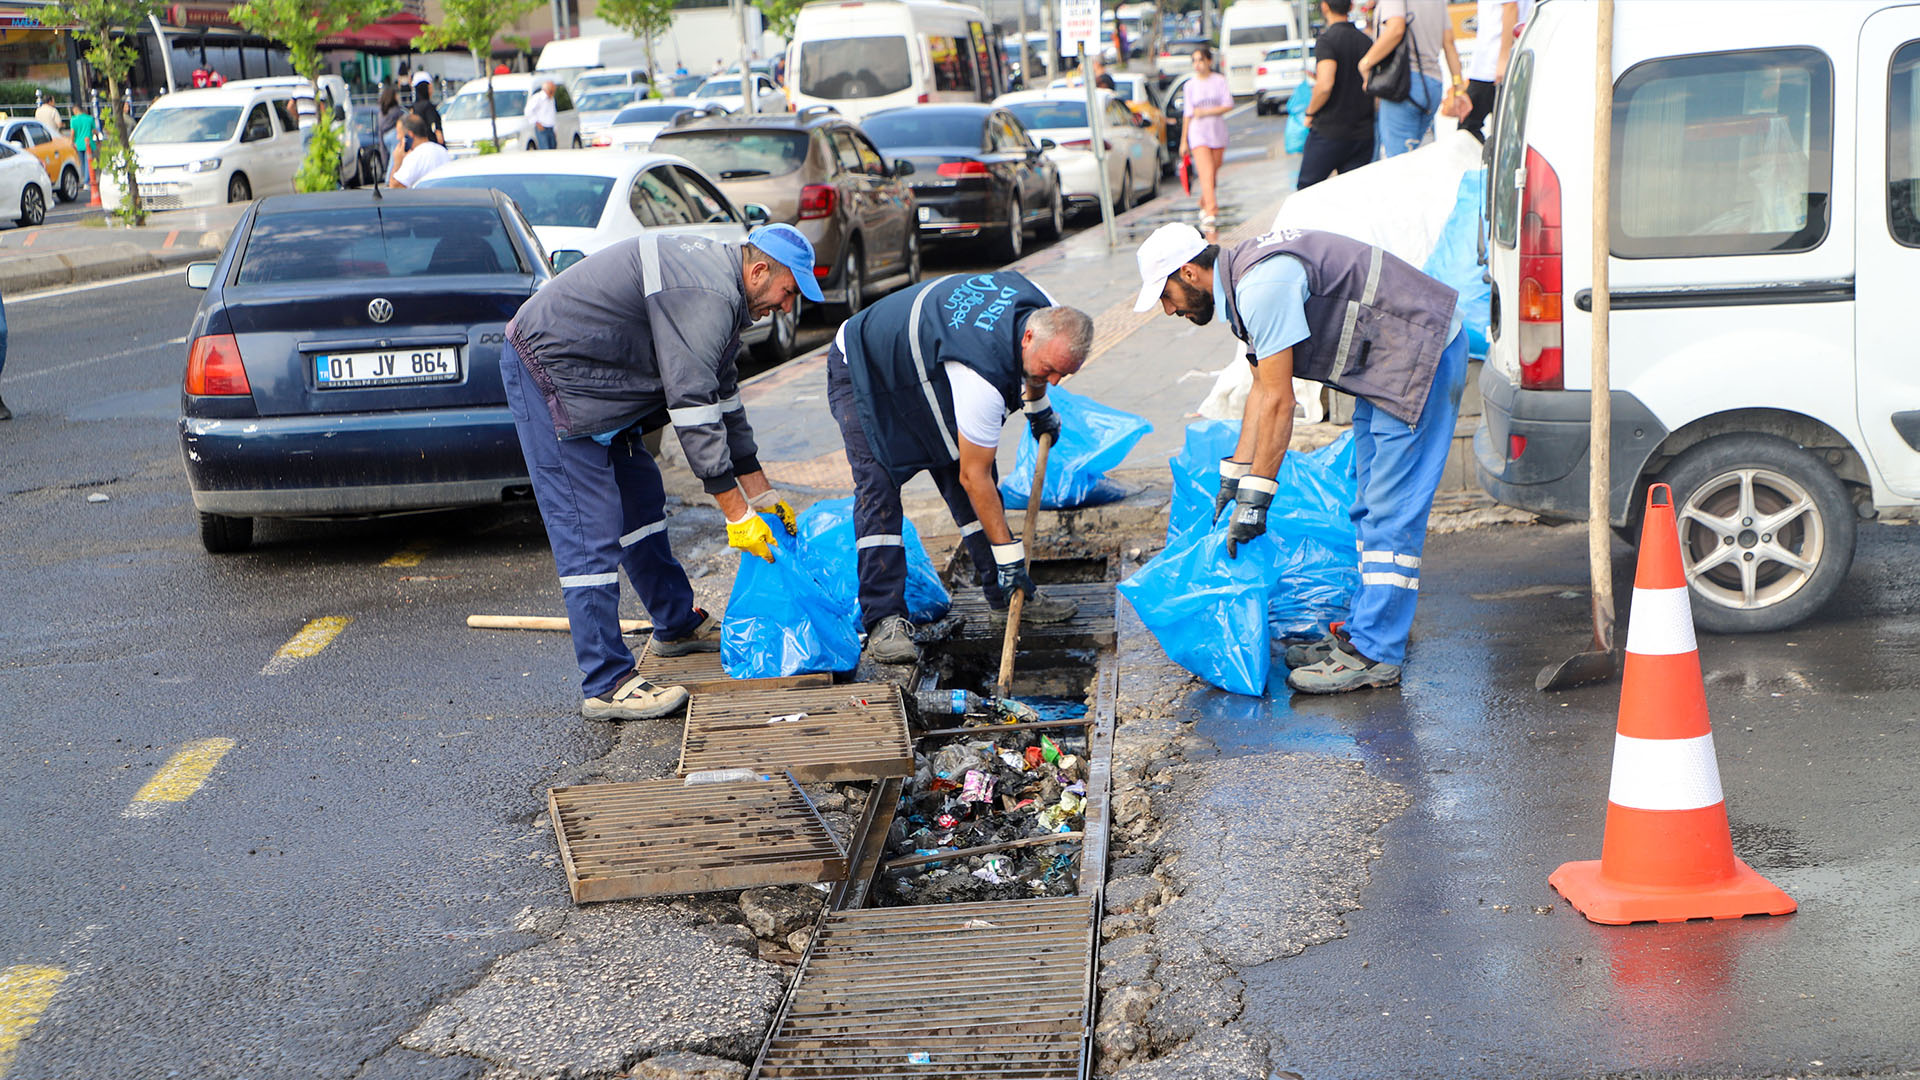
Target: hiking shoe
x=702, y=638
x=1342, y=671
x=891, y=642
x=1039, y=610
x=1313, y=652
x=634, y=698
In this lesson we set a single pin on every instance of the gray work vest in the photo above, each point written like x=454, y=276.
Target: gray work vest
x=1375, y=325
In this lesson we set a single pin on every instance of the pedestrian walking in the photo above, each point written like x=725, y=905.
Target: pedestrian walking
x=1325, y=307
x=923, y=381
x=540, y=112
x=1204, y=133
x=48, y=114
x=82, y=125
x=1340, y=114
x=425, y=109
x=418, y=154
x=1492, y=44
x=635, y=337
x=389, y=124
x=1402, y=125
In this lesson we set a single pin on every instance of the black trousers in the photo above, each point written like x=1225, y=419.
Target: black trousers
x=1323, y=156
x=1481, y=95
x=880, y=549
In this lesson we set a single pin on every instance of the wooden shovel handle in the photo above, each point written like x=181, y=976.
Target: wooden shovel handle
x=1018, y=601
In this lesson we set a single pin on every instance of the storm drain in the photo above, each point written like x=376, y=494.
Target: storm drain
x=954, y=990
x=670, y=837
x=702, y=673
x=851, y=732
x=1090, y=628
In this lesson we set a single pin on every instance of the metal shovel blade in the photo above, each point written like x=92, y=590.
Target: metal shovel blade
x=1580, y=669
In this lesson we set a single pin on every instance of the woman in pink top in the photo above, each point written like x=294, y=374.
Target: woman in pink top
x=1205, y=131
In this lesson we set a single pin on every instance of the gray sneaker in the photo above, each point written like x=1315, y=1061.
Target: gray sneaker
x=702, y=638
x=634, y=698
x=1039, y=610
x=1342, y=671
x=1313, y=652
x=891, y=642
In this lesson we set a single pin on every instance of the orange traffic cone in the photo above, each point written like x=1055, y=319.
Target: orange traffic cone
x=1668, y=853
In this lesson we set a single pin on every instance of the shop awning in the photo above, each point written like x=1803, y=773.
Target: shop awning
x=393, y=33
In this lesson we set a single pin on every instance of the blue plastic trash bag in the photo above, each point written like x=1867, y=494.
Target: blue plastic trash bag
x=1297, y=117
x=1196, y=473
x=827, y=552
x=781, y=622
x=1209, y=612
x=1093, y=439
x=1456, y=261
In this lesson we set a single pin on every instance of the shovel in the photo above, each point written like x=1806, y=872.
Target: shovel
x=1018, y=601
x=1597, y=665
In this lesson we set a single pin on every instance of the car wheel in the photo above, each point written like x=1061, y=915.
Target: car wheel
x=223, y=535
x=1126, y=190
x=1056, y=217
x=1015, y=243
x=69, y=185
x=853, y=275
x=33, y=206
x=778, y=347
x=1766, y=531
x=913, y=254
x=238, y=190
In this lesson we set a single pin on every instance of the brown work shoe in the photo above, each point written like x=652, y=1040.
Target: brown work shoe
x=1039, y=610
x=634, y=698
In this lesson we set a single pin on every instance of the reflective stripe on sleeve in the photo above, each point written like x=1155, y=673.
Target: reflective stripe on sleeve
x=1411, y=562
x=970, y=528
x=730, y=404
x=642, y=533
x=694, y=415
x=1398, y=581
x=879, y=540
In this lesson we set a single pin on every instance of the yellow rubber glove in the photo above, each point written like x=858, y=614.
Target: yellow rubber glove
x=770, y=502
x=752, y=535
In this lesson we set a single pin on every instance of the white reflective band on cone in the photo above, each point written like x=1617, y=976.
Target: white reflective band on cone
x=1660, y=623
x=1664, y=774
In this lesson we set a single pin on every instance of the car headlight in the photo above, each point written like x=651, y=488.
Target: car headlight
x=204, y=165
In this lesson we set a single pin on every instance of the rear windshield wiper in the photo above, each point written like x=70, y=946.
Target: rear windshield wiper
x=737, y=174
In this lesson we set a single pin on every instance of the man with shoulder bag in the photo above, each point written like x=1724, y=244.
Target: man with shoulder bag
x=1403, y=70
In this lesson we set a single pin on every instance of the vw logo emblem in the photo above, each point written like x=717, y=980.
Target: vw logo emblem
x=380, y=309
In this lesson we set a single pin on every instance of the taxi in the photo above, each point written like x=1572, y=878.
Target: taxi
x=55, y=151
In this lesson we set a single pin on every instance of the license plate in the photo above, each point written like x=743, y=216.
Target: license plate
x=398, y=367
x=926, y=213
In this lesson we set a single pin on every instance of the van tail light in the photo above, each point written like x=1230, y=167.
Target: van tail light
x=1542, y=364
x=924, y=98
x=214, y=368
x=817, y=201
x=962, y=168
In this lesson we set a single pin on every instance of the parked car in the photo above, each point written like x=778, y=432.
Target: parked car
x=1141, y=95
x=52, y=150
x=1176, y=56
x=24, y=191
x=597, y=108
x=976, y=172
x=465, y=121
x=1248, y=29
x=1173, y=91
x=1278, y=73
x=1760, y=339
x=333, y=89
x=680, y=86
x=567, y=60
x=725, y=89
x=634, y=127
x=820, y=173
x=1133, y=152
x=362, y=153
x=204, y=147
x=609, y=79
x=579, y=201
x=345, y=360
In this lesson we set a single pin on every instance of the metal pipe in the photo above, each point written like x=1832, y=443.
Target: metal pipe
x=166, y=50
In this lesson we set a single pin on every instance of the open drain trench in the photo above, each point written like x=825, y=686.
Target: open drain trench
x=861, y=1003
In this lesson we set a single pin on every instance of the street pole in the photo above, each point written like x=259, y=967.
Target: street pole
x=1026, y=49
x=1098, y=144
x=746, y=68
x=1052, y=57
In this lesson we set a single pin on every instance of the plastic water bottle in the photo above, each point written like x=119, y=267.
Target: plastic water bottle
x=949, y=702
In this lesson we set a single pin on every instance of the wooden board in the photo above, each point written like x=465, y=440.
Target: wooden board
x=702, y=673
x=856, y=731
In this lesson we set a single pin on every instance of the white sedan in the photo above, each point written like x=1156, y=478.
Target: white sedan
x=1283, y=68
x=1132, y=151
x=634, y=127
x=579, y=201
x=24, y=191
x=725, y=89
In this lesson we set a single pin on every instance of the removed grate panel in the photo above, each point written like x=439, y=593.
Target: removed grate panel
x=702, y=673
x=1090, y=628
x=853, y=732
x=669, y=837
x=954, y=990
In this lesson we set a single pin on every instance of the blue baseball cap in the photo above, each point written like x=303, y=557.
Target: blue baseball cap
x=790, y=248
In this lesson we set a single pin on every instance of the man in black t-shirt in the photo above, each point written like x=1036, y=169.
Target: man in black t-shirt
x=423, y=106
x=1340, y=116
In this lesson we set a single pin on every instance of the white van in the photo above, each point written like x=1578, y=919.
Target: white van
x=1248, y=31
x=861, y=56
x=1765, y=223
x=205, y=147
x=567, y=59
x=466, y=123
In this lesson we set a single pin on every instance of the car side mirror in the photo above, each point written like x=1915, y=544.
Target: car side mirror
x=1048, y=144
x=199, y=275
x=560, y=260
x=902, y=167
x=1140, y=120
x=755, y=215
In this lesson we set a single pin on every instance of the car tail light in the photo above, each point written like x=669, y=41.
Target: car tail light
x=962, y=168
x=1542, y=365
x=214, y=368
x=602, y=140
x=817, y=201
x=1261, y=70
x=1086, y=144
x=924, y=98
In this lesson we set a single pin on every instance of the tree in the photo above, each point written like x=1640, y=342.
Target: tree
x=301, y=25
x=472, y=24
x=780, y=14
x=101, y=26
x=644, y=19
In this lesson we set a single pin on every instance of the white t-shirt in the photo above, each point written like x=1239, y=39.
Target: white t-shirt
x=425, y=157
x=978, y=409
x=540, y=109
x=1486, y=41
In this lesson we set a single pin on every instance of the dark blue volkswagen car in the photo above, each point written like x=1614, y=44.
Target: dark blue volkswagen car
x=346, y=359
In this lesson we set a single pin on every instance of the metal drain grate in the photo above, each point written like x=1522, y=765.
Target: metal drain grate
x=1090, y=628
x=702, y=673
x=852, y=732
x=669, y=837
x=955, y=990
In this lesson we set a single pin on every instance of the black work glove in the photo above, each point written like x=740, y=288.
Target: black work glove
x=1230, y=473
x=1010, y=568
x=1250, y=516
x=1042, y=421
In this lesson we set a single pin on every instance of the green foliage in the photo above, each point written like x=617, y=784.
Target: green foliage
x=471, y=24
x=19, y=92
x=780, y=15
x=99, y=28
x=321, y=170
x=116, y=158
x=644, y=19
x=486, y=146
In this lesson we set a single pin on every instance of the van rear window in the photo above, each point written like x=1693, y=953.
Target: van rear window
x=370, y=242
x=846, y=69
x=1256, y=35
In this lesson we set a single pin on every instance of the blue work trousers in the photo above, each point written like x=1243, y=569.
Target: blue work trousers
x=880, y=550
x=604, y=508
x=1399, y=468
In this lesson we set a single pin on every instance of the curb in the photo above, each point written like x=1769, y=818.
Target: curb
x=120, y=258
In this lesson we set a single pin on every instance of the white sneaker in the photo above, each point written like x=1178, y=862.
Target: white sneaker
x=634, y=699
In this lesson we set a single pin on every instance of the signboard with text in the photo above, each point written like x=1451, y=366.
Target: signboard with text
x=1079, y=21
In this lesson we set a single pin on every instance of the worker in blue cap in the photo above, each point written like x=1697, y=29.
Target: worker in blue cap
x=636, y=337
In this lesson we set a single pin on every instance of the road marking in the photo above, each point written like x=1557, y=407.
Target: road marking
x=179, y=778
x=31, y=237
x=171, y=237
x=25, y=992
x=66, y=290
x=71, y=364
x=411, y=555
x=306, y=644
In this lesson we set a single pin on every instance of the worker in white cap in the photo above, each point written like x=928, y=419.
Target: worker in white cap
x=1328, y=308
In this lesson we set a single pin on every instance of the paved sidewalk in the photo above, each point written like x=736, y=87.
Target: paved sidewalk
x=50, y=256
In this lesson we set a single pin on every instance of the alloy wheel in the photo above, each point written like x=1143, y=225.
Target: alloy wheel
x=1750, y=538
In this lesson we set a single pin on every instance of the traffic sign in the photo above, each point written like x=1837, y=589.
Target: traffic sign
x=1079, y=22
